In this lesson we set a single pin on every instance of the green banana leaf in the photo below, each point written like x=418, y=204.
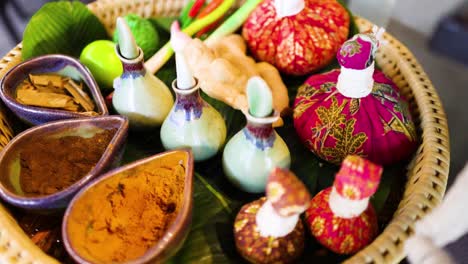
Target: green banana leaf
x=61, y=27
x=210, y=239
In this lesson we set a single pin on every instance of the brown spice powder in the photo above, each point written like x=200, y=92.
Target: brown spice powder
x=49, y=165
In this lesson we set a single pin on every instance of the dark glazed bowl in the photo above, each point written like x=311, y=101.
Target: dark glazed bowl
x=9, y=170
x=56, y=63
x=177, y=231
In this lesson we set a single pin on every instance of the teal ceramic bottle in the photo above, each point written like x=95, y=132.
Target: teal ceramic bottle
x=138, y=94
x=192, y=122
x=253, y=152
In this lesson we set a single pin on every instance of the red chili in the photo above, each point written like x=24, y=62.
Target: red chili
x=209, y=8
x=196, y=8
x=206, y=11
x=208, y=28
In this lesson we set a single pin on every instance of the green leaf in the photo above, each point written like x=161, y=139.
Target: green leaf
x=304, y=163
x=61, y=27
x=163, y=23
x=390, y=191
x=210, y=239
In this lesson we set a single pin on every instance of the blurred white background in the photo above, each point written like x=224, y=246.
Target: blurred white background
x=419, y=15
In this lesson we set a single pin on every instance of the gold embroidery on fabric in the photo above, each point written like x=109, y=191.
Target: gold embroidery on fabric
x=301, y=108
x=354, y=105
x=347, y=244
x=350, y=48
x=318, y=225
x=346, y=142
x=404, y=125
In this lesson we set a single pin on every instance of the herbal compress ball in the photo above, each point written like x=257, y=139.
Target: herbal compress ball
x=269, y=230
x=355, y=111
x=341, y=217
x=296, y=36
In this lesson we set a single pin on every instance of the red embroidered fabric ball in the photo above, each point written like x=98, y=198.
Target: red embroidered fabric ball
x=301, y=43
x=378, y=126
x=341, y=235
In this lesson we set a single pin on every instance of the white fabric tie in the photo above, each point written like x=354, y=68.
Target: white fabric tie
x=356, y=83
x=286, y=8
x=346, y=208
x=270, y=223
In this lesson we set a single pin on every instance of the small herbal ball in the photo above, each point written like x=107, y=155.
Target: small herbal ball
x=298, y=44
x=340, y=235
x=378, y=126
x=257, y=249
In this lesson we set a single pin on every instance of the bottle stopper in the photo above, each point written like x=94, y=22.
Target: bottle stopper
x=127, y=44
x=179, y=40
x=259, y=97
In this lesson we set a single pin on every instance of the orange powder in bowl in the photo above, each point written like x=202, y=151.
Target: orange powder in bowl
x=120, y=218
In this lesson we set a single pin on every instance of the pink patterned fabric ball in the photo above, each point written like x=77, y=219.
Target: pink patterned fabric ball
x=358, y=52
x=378, y=126
x=341, y=235
x=358, y=178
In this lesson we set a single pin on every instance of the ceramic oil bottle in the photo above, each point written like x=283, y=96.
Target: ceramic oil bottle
x=254, y=151
x=138, y=94
x=192, y=122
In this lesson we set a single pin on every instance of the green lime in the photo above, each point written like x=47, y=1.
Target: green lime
x=100, y=58
x=146, y=36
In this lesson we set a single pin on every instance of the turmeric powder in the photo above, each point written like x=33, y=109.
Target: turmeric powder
x=122, y=217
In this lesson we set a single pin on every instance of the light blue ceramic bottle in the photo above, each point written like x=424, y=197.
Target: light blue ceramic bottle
x=192, y=122
x=253, y=152
x=138, y=94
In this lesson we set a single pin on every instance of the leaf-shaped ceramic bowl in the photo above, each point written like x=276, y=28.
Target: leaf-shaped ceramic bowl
x=10, y=168
x=55, y=63
x=79, y=219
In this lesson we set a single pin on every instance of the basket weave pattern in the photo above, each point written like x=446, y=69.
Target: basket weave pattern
x=427, y=172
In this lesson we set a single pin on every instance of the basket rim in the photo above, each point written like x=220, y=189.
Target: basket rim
x=427, y=172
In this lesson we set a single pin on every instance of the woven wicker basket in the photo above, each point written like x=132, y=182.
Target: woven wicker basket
x=427, y=173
